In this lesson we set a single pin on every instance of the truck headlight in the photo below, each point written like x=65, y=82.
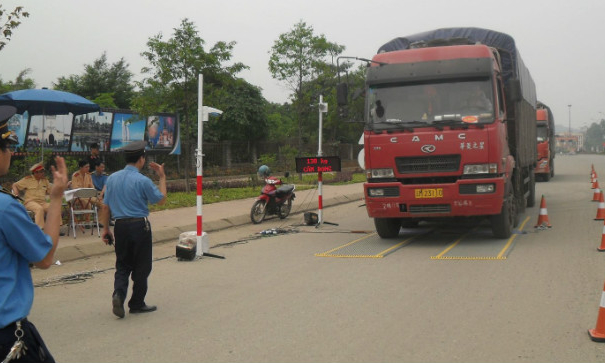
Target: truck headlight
x=485, y=188
x=491, y=168
x=379, y=173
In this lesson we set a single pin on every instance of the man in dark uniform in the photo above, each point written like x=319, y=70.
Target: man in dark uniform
x=127, y=194
x=23, y=242
x=94, y=158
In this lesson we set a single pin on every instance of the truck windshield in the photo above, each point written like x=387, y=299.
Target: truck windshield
x=542, y=133
x=421, y=105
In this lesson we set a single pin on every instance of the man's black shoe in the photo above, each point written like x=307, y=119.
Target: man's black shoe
x=143, y=309
x=118, y=306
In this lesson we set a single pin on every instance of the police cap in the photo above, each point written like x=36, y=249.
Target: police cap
x=36, y=167
x=137, y=147
x=6, y=112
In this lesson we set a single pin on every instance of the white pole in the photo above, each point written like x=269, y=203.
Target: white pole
x=319, y=173
x=200, y=132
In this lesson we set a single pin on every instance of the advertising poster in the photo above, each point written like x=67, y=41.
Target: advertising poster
x=50, y=132
x=127, y=128
x=160, y=132
x=91, y=128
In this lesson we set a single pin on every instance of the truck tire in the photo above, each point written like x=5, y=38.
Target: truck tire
x=546, y=176
x=552, y=168
x=387, y=227
x=503, y=223
x=409, y=223
x=531, y=198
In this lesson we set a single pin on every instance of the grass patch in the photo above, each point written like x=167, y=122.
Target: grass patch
x=214, y=195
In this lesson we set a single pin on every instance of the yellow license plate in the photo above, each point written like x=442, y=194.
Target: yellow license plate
x=428, y=193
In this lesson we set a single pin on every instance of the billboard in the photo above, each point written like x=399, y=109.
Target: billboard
x=110, y=129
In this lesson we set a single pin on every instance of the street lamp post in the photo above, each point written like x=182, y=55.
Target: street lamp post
x=569, y=106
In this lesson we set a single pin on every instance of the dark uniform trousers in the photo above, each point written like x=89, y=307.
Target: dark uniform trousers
x=36, y=349
x=133, y=256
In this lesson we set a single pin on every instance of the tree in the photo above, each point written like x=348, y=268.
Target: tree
x=111, y=84
x=12, y=22
x=174, y=68
x=21, y=82
x=594, y=136
x=297, y=58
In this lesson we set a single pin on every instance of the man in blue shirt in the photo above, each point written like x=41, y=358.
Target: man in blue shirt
x=127, y=194
x=99, y=178
x=22, y=242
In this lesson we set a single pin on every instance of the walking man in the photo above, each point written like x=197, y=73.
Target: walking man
x=21, y=243
x=127, y=194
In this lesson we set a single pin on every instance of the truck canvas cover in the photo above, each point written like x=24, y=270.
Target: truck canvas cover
x=512, y=64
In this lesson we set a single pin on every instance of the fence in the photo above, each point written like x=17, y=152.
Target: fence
x=219, y=159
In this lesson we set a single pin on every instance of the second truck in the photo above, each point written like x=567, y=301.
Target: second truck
x=450, y=130
x=545, y=123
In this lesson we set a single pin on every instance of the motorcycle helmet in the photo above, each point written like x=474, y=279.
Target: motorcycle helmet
x=264, y=171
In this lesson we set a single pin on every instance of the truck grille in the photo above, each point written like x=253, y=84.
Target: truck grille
x=430, y=208
x=427, y=164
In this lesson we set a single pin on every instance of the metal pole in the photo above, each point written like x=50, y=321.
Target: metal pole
x=319, y=173
x=569, y=106
x=200, y=131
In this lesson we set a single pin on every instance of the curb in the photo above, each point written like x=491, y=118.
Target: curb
x=81, y=251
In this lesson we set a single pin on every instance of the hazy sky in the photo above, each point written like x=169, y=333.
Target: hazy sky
x=561, y=42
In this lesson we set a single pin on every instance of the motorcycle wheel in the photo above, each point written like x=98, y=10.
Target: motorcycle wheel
x=285, y=209
x=258, y=211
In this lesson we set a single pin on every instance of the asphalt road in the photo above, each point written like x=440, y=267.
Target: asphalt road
x=438, y=293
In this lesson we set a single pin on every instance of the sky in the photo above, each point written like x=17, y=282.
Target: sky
x=561, y=42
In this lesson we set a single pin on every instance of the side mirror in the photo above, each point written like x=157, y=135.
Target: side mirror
x=513, y=90
x=342, y=94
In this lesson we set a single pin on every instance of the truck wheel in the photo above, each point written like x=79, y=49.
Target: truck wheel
x=531, y=198
x=503, y=223
x=409, y=223
x=387, y=227
x=552, y=168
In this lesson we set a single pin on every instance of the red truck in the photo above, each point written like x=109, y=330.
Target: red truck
x=545, y=122
x=450, y=130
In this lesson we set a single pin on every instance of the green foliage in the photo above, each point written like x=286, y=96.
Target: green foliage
x=299, y=58
x=174, y=66
x=245, y=114
x=21, y=82
x=11, y=22
x=110, y=84
x=268, y=159
x=594, y=136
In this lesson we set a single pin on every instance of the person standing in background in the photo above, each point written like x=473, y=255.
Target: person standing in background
x=127, y=195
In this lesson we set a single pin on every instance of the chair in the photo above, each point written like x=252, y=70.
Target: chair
x=81, y=204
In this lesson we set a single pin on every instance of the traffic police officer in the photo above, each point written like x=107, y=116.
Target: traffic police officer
x=127, y=194
x=36, y=188
x=22, y=242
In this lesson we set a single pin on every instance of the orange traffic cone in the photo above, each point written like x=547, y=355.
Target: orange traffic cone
x=601, y=208
x=596, y=194
x=598, y=334
x=595, y=183
x=543, y=217
x=601, y=248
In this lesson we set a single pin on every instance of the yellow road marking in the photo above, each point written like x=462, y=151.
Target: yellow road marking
x=500, y=255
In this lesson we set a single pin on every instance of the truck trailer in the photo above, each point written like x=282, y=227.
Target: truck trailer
x=545, y=134
x=450, y=130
